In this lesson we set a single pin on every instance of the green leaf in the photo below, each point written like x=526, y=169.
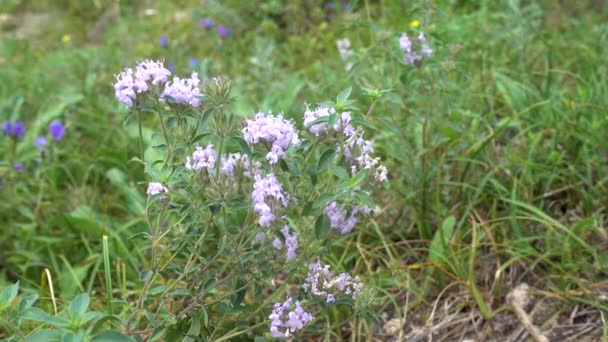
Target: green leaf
x=106, y=319
x=322, y=200
x=194, y=330
x=111, y=336
x=332, y=120
x=145, y=275
x=363, y=122
x=320, y=120
x=46, y=335
x=325, y=159
x=27, y=302
x=339, y=172
x=79, y=305
x=69, y=337
x=205, y=116
x=358, y=178
x=37, y=315
x=243, y=146
x=365, y=199
x=438, y=250
x=343, y=96
x=321, y=226
x=8, y=295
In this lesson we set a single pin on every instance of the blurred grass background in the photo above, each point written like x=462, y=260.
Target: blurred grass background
x=496, y=146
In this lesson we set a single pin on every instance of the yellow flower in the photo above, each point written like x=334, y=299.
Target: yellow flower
x=415, y=23
x=66, y=38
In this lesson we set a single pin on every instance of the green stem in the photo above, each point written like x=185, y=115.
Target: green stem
x=162, y=125
x=11, y=327
x=141, y=138
x=108, y=275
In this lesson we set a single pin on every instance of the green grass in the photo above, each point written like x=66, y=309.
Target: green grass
x=503, y=129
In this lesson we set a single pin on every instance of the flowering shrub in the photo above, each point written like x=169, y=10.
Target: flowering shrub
x=416, y=49
x=230, y=223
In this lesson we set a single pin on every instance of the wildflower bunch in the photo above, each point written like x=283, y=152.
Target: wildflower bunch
x=284, y=320
x=232, y=185
x=130, y=83
x=346, y=52
x=343, y=125
x=291, y=243
x=275, y=132
x=183, y=91
x=202, y=158
x=156, y=188
x=340, y=220
x=267, y=196
x=321, y=282
x=414, y=49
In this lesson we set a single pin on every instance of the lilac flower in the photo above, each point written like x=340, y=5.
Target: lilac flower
x=223, y=31
x=339, y=220
x=156, y=188
x=267, y=194
x=283, y=323
x=40, y=143
x=345, y=6
x=232, y=161
x=171, y=67
x=183, y=91
x=15, y=130
x=343, y=125
x=207, y=23
x=259, y=237
x=321, y=282
x=358, y=152
x=129, y=83
x=19, y=129
x=7, y=128
x=274, y=130
x=193, y=61
x=202, y=159
x=57, y=130
x=414, y=50
x=331, y=5
x=164, y=41
x=19, y=167
x=291, y=243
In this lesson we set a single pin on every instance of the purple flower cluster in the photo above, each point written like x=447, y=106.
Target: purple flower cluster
x=57, y=130
x=359, y=152
x=321, y=281
x=207, y=23
x=275, y=131
x=130, y=83
x=223, y=31
x=414, y=50
x=228, y=163
x=340, y=220
x=40, y=143
x=183, y=91
x=156, y=188
x=163, y=41
x=346, y=52
x=14, y=129
x=285, y=322
x=202, y=159
x=291, y=243
x=343, y=125
x=267, y=193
